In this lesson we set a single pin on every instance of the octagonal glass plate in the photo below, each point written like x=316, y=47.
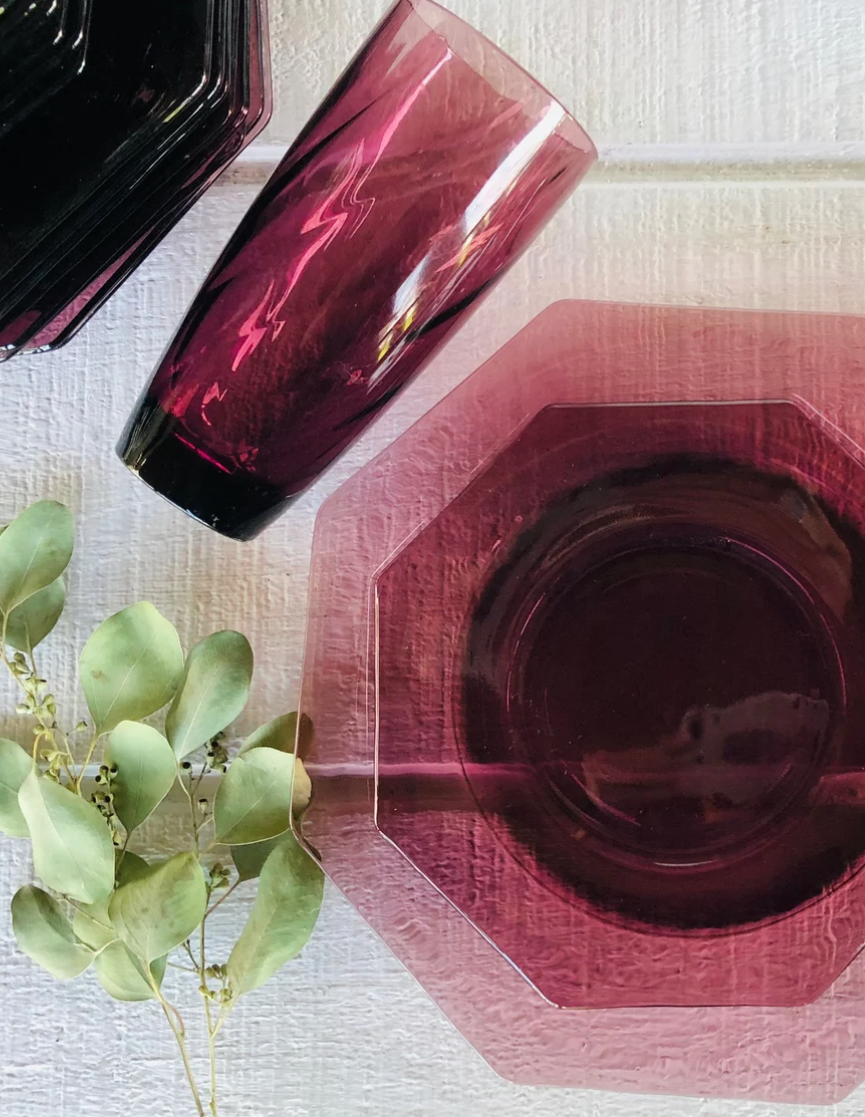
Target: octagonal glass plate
x=584, y=663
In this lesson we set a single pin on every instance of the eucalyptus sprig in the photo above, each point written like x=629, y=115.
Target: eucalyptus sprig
x=102, y=906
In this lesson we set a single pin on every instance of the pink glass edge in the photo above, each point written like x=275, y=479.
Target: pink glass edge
x=577, y=134
x=544, y=1065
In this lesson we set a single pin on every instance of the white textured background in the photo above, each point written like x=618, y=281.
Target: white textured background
x=733, y=174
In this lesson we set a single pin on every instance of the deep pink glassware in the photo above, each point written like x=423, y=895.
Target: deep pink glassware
x=426, y=172
x=173, y=95
x=645, y=648
x=169, y=191
x=586, y=674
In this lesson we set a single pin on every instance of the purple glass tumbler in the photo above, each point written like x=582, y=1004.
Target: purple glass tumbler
x=424, y=174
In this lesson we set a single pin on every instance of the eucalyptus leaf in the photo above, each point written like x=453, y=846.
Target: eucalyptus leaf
x=253, y=801
x=160, y=910
x=281, y=734
x=249, y=859
x=301, y=789
x=120, y=973
x=92, y=925
x=212, y=693
x=31, y=621
x=282, y=918
x=72, y=848
x=130, y=666
x=35, y=549
x=15, y=767
x=123, y=976
x=91, y=922
x=146, y=771
x=43, y=932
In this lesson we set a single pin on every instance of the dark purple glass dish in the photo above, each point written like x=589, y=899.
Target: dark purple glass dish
x=425, y=173
x=42, y=48
x=175, y=97
x=168, y=189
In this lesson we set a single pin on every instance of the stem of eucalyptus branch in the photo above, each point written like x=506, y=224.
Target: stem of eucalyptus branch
x=211, y=1044
x=189, y=792
x=205, y=995
x=179, y=1032
x=222, y=898
x=51, y=731
x=91, y=748
x=45, y=730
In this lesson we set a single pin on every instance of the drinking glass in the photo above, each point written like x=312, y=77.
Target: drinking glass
x=425, y=173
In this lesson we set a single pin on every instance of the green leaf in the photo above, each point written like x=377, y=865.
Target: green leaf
x=92, y=926
x=282, y=918
x=249, y=860
x=122, y=975
x=212, y=693
x=130, y=666
x=42, y=931
x=253, y=801
x=159, y=911
x=72, y=848
x=131, y=867
x=35, y=549
x=146, y=771
x=301, y=789
x=281, y=734
x=15, y=767
x=35, y=618
x=91, y=922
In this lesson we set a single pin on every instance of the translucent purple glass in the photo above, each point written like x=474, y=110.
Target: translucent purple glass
x=425, y=173
x=586, y=661
x=172, y=95
x=167, y=188
x=640, y=646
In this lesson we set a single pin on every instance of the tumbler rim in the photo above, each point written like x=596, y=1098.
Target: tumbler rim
x=448, y=25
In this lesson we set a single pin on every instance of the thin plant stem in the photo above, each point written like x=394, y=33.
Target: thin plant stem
x=211, y=1044
x=44, y=730
x=179, y=1032
x=189, y=793
x=123, y=851
x=222, y=898
x=202, y=951
x=188, y=950
x=198, y=782
x=66, y=758
x=205, y=995
x=224, y=1013
x=183, y=786
x=90, y=751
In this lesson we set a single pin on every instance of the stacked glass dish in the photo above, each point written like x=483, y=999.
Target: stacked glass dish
x=113, y=122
